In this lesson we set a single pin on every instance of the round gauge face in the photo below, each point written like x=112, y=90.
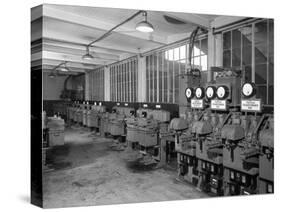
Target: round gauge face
x=247, y=89
x=188, y=93
x=221, y=92
x=210, y=92
x=198, y=93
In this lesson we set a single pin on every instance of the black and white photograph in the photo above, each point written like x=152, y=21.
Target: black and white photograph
x=135, y=106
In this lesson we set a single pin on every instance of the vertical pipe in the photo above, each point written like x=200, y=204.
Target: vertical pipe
x=157, y=76
x=152, y=73
x=173, y=78
x=163, y=61
x=168, y=81
x=267, y=62
x=253, y=53
x=129, y=81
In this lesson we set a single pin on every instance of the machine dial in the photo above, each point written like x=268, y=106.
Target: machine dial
x=189, y=93
x=248, y=89
x=222, y=92
x=199, y=93
x=210, y=92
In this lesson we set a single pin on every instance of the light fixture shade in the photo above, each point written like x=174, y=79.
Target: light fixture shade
x=144, y=26
x=63, y=69
x=87, y=56
x=52, y=75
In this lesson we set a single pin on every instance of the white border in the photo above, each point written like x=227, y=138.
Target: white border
x=15, y=102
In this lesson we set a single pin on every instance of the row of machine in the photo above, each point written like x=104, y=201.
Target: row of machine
x=142, y=132
x=96, y=117
x=222, y=139
x=148, y=140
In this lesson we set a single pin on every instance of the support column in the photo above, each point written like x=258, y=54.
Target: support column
x=219, y=50
x=106, y=83
x=214, y=52
x=211, y=54
x=87, y=86
x=141, y=79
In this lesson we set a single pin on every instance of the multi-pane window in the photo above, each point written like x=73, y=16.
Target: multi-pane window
x=123, y=81
x=96, y=85
x=251, y=48
x=164, y=69
x=200, y=55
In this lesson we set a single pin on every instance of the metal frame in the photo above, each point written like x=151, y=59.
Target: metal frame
x=123, y=80
x=253, y=62
x=166, y=65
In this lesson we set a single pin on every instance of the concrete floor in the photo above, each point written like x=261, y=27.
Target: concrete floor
x=87, y=172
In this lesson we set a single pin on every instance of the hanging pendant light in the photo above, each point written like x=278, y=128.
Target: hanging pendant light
x=52, y=75
x=63, y=67
x=87, y=56
x=144, y=26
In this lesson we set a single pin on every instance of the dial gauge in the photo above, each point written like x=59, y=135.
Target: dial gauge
x=222, y=92
x=199, y=93
x=189, y=93
x=210, y=92
x=248, y=89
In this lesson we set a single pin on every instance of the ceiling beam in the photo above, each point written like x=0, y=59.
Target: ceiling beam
x=72, y=69
x=68, y=57
x=74, y=39
x=79, y=52
x=57, y=62
x=80, y=46
x=69, y=64
x=48, y=70
x=99, y=24
x=45, y=67
x=191, y=18
x=78, y=67
x=224, y=20
x=73, y=58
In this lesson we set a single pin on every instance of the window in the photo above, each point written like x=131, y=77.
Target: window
x=96, y=85
x=123, y=81
x=251, y=48
x=163, y=70
x=200, y=55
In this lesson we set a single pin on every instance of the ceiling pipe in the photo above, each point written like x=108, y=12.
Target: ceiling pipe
x=55, y=69
x=112, y=29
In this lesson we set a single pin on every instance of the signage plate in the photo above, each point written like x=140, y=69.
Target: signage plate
x=197, y=103
x=253, y=105
x=218, y=104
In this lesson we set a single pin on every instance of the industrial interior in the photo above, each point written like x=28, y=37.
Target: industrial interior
x=142, y=106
